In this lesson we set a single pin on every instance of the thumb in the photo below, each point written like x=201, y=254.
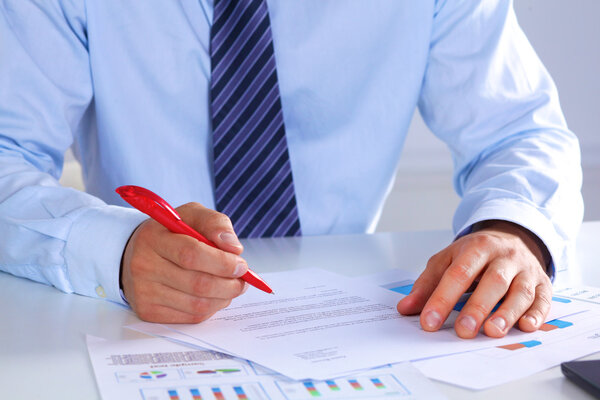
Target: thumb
x=213, y=225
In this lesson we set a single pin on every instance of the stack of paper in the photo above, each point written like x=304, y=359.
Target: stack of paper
x=320, y=325
x=323, y=335
x=156, y=369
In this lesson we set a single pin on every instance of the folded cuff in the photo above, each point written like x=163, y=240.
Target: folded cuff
x=94, y=249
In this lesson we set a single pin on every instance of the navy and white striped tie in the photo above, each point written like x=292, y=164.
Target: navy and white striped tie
x=253, y=177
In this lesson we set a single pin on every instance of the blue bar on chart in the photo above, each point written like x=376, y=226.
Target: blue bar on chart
x=310, y=386
x=195, y=394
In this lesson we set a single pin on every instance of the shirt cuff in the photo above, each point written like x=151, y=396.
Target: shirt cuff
x=522, y=214
x=94, y=249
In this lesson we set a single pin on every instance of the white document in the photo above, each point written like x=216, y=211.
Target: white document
x=320, y=325
x=560, y=340
x=156, y=369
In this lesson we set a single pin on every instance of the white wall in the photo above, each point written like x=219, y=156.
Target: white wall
x=565, y=35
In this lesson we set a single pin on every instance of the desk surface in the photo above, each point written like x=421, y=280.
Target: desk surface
x=42, y=331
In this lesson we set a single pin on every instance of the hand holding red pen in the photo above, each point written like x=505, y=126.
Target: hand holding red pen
x=171, y=278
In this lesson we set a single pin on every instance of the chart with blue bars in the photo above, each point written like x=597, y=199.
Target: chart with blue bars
x=363, y=387
x=246, y=391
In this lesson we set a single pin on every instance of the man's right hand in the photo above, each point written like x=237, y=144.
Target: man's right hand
x=174, y=278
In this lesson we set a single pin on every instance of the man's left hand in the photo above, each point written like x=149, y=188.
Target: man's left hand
x=504, y=261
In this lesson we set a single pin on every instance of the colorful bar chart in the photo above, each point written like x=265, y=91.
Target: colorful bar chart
x=243, y=391
x=363, y=387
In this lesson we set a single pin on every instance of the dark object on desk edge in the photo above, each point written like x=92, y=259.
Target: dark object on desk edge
x=585, y=374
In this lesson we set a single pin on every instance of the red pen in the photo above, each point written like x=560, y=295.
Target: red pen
x=158, y=209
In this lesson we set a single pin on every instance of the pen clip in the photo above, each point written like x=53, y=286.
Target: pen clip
x=135, y=195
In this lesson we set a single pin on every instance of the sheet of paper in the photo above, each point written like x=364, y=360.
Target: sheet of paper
x=156, y=369
x=321, y=325
x=560, y=340
x=586, y=294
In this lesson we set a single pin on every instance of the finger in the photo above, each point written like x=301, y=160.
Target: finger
x=201, y=307
x=215, y=226
x=166, y=315
x=424, y=285
x=494, y=284
x=188, y=253
x=535, y=316
x=457, y=278
x=201, y=284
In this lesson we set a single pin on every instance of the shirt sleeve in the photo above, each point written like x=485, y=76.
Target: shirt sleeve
x=51, y=234
x=488, y=96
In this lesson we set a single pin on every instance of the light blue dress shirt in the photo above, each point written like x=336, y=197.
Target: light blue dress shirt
x=125, y=84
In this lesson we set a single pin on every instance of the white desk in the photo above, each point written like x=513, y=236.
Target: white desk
x=42, y=348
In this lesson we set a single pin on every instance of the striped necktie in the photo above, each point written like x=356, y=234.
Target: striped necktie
x=253, y=176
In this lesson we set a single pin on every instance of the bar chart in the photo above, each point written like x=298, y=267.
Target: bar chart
x=344, y=388
x=245, y=391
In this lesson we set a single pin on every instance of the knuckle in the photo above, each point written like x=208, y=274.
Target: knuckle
x=510, y=252
x=460, y=272
x=479, y=308
x=199, y=306
x=218, y=219
x=499, y=277
x=482, y=240
x=544, y=299
x=525, y=290
x=443, y=303
x=202, y=285
x=187, y=255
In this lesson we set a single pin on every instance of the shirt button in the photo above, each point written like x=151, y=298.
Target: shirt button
x=100, y=291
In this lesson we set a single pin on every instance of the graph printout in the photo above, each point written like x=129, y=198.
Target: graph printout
x=556, y=341
x=157, y=369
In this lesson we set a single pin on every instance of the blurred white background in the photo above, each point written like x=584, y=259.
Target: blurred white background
x=566, y=36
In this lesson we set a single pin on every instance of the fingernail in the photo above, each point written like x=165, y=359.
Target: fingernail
x=468, y=323
x=432, y=320
x=499, y=323
x=245, y=288
x=240, y=270
x=230, y=239
x=531, y=319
